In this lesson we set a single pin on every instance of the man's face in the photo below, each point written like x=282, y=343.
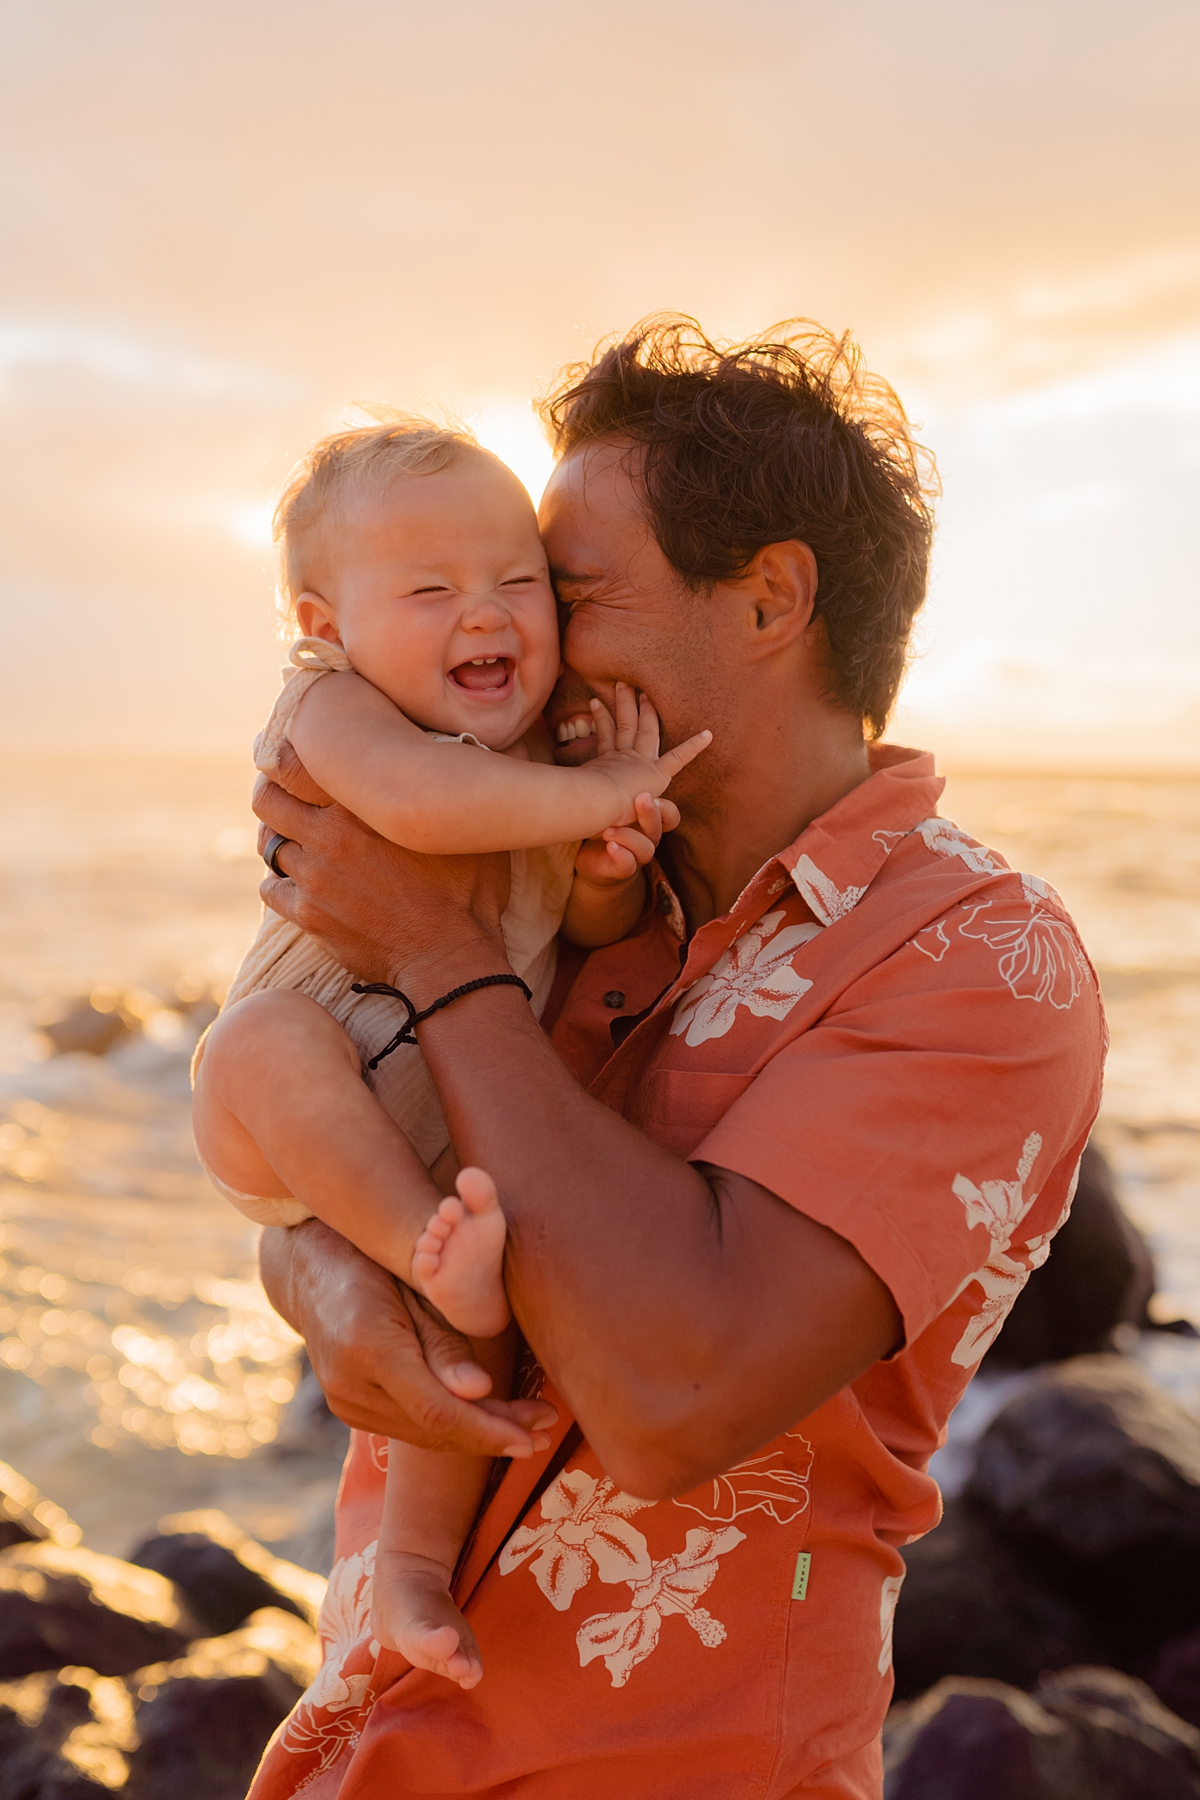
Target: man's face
x=625, y=614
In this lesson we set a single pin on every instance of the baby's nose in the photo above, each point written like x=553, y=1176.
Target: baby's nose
x=483, y=612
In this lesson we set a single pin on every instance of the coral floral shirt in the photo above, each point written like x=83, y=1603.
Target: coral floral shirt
x=903, y=1039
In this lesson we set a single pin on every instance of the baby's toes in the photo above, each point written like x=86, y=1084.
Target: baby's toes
x=427, y=1255
x=465, y=1670
x=450, y=1213
x=441, y=1646
x=478, y=1190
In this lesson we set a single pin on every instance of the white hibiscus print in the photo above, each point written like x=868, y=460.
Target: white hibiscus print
x=584, y=1521
x=827, y=900
x=932, y=942
x=625, y=1639
x=1040, y=957
x=887, y=1619
x=999, y=1206
x=326, y=1715
x=1036, y=889
x=771, y=1484
x=752, y=973
x=944, y=838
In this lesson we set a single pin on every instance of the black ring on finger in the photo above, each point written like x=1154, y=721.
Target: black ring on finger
x=275, y=844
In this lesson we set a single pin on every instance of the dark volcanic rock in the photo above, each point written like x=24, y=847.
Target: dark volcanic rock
x=26, y=1517
x=204, y=1738
x=224, y=1573
x=63, y=1739
x=1099, y=1275
x=1175, y=1676
x=969, y=1606
x=85, y=1027
x=62, y=1607
x=203, y=1722
x=1093, y=1475
x=1129, y=1744
x=1087, y=1734
x=221, y=1591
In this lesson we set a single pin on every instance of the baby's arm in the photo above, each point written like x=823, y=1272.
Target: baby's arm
x=454, y=799
x=608, y=894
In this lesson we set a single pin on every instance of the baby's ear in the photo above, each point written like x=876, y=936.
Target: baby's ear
x=315, y=617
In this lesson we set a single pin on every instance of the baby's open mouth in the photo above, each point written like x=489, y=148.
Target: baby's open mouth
x=484, y=675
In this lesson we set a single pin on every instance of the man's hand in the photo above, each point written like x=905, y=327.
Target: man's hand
x=382, y=910
x=387, y=1362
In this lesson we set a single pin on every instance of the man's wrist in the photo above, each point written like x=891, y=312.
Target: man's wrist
x=426, y=978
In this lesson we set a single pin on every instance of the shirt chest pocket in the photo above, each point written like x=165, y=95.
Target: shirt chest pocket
x=679, y=1107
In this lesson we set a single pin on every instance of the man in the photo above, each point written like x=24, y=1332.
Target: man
x=772, y=1181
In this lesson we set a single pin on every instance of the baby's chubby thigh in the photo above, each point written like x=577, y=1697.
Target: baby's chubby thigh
x=266, y=1073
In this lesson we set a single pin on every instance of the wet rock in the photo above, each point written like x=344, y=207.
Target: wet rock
x=64, y=1737
x=203, y=1738
x=1093, y=1475
x=1086, y=1734
x=1128, y=1742
x=1098, y=1277
x=224, y=1573
x=969, y=1606
x=203, y=1722
x=27, y=1517
x=84, y=1027
x=1174, y=1675
x=61, y=1607
x=222, y=1592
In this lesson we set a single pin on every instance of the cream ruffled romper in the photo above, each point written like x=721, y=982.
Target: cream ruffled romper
x=284, y=956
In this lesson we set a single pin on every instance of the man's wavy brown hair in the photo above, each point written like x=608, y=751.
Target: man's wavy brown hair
x=786, y=436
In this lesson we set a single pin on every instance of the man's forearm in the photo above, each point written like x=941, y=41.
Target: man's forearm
x=638, y=1282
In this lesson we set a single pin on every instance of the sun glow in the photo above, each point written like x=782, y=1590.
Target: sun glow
x=511, y=431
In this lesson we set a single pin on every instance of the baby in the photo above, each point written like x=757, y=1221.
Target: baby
x=412, y=561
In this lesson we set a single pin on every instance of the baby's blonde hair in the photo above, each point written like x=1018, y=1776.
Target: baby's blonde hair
x=371, y=456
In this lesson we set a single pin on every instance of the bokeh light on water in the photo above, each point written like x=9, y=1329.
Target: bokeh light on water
x=171, y=1351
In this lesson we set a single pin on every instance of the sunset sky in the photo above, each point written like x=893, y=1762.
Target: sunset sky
x=221, y=225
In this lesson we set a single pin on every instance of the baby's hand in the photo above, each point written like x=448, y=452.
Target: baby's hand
x=627, y=750
x=618, y=853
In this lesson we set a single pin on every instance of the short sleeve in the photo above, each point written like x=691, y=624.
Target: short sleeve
x=934, y=1117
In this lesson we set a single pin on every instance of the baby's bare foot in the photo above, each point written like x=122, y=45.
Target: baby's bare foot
x=458, y=1260
x=412, y=1612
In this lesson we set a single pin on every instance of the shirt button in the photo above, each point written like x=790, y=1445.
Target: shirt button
x=614, y=999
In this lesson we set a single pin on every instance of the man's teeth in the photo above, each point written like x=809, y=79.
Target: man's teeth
x=575, y=728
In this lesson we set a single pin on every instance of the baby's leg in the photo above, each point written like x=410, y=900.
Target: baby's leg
x=281, y=1110
x=430, y=1504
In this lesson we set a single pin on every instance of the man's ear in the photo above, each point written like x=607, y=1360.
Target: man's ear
x=316, y=619
x=780, y=593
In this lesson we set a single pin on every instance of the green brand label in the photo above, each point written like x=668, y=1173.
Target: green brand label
x=800, y=1584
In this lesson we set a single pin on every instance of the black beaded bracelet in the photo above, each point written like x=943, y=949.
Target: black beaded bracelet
x=407, y=1033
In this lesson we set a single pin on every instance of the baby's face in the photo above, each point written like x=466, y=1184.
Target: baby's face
x=439, y=593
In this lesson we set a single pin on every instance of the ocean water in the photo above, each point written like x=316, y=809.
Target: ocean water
x=141, y=1369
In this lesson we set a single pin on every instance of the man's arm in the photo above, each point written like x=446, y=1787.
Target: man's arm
x=687, y=1317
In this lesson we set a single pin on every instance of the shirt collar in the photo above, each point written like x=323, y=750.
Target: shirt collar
x=835, y=859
